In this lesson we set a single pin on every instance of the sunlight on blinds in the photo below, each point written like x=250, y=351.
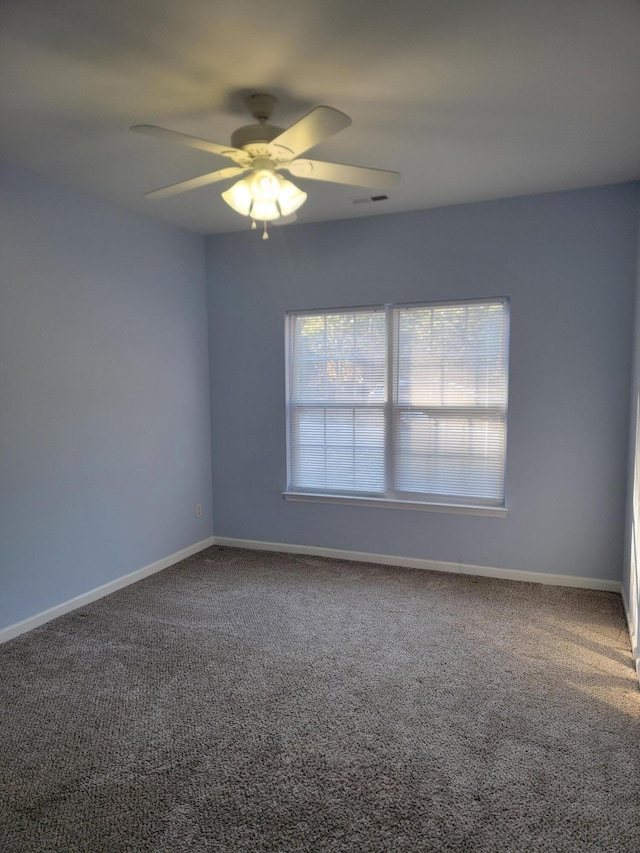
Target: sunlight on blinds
x=450, y=396
x=437, y=434
x=338, y=449
x=337, y=394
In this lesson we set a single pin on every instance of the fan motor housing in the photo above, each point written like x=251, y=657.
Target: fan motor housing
x=254, y=133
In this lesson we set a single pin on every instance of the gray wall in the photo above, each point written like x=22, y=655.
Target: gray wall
x=568, y=263
x=104, y=393
x=631, y=567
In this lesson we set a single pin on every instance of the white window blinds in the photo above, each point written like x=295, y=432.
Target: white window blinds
x=449, y=418
x=400, y=402
x=337, y=395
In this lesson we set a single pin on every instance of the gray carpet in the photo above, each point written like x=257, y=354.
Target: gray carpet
x=248, y=701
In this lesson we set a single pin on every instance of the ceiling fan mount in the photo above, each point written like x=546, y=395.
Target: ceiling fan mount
x=261, y=107
x=263, y=150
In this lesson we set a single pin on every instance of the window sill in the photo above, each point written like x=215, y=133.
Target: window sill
x=385, y=503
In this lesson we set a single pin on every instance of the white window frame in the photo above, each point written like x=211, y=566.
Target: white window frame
x=422, y=501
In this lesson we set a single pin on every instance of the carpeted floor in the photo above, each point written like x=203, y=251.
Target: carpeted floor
x=249, y=701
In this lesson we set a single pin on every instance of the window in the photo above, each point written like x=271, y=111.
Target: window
x=403, y=403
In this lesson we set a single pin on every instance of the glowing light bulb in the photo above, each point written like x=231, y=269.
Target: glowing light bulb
x=265, y=211
x=265, y=186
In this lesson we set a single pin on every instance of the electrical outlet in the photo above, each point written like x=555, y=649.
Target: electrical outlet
x=198, y=510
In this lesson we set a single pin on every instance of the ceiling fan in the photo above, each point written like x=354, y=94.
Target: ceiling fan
x=260, y=151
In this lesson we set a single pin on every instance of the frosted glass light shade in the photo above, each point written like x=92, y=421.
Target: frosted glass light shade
x=265, y=211
x=290, y=198
x=239, y=197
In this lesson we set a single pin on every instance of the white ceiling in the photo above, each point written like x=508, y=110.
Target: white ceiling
x=468, y=99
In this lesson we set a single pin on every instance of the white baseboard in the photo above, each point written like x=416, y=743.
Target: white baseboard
x=633, y=632
x=431, y=565
x=38, y=619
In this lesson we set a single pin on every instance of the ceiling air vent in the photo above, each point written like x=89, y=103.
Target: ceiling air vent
x=370, y=198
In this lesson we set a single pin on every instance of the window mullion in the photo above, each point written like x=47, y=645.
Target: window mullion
x=389, y=402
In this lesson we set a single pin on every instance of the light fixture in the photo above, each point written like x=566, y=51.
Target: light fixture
x=261, y=151
x=264, y=195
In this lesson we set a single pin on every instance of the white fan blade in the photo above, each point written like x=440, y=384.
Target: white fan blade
x=336, y=173
x=194, y=183
x=319, y=124
x=235, y=154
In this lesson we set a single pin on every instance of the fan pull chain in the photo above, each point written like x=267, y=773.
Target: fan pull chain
x=265, y=235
